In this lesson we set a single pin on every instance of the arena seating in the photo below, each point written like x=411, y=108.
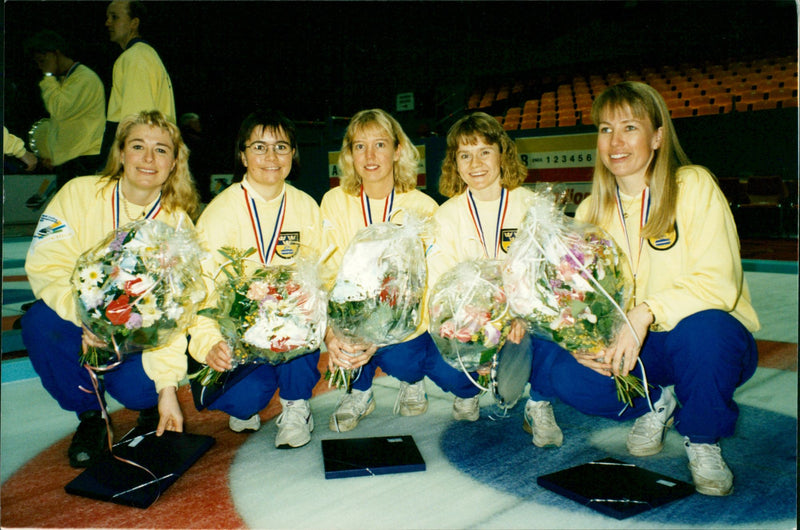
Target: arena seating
x=690, y=90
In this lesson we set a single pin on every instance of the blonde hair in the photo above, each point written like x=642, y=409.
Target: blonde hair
x=178, y=191
x=404, y=169
x=469, y=130
x=644, y=103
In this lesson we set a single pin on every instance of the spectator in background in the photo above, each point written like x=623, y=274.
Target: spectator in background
x=200, y=159
x=139, y=81
x=14, y=146
x=75, y=98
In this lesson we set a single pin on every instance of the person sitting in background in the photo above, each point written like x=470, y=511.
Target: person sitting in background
x=266, y=154
x=200, y=159
x=14, y=146
x=139, y=80
x=75, y=98
x=690, y=312
x=147, y=176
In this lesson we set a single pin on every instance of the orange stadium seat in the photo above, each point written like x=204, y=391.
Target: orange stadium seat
x=568, y=120
x=707, y=109
x=764, y=104
x=681, y=112
x=547, y=121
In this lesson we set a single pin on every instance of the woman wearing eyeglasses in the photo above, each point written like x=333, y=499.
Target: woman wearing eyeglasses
x=260, y=210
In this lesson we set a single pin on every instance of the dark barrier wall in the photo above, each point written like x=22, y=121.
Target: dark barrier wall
x=737, y=144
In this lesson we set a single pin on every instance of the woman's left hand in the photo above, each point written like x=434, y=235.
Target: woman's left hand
x=90, y=340
x=517, y=330
x=169, y=411
x=624, y=351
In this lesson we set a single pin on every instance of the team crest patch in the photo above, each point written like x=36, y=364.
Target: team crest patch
x=50, y=228
x=666, y=241
x=507, y=235
x=288, y=244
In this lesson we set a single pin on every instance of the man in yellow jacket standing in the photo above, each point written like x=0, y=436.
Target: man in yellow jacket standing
x=75, y=99
x=139, y=80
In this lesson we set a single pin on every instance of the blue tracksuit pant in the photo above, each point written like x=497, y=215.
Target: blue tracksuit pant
x=54, y=347
x=412, y=360
x=296, y=380
x=706, y=357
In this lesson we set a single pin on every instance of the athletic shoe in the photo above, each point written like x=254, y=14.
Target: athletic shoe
x=294, y=424
x=90, y=440
x=468, y=409
x=352, y=408
x=710, y=473
x=647, y=435
x=148, y=419
x=411, y=399
x=253, y=423
x=541, y=424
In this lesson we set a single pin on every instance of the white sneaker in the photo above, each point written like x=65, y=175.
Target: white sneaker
x=468, y=409
x=710, y=473
x=352, y=408
x=647, y=435
x=411, y=399
x=253, y=423
x=294, y=424
x=541, y=423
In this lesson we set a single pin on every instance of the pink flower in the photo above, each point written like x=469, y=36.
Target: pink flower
x=448, y=329
x=463, y=335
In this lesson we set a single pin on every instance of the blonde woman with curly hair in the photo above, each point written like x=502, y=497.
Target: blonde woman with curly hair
x=147, y=177
x=691, y=320
x=379, y=178
x=482, y=174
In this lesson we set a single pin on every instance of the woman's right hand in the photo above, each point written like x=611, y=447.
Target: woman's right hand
x=345, y=355
x=90, y=340
x=219, y=357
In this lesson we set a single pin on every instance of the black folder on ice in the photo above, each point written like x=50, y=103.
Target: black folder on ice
x=615, y=488
x=167, y=457
x=381, y=455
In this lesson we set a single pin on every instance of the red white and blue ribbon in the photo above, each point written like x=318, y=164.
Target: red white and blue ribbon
x=643, y=216
x=265, y=253
x=366, y=211
x=501, y=217
x=115, y=206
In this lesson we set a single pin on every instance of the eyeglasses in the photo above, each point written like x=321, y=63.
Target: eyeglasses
x=261, y=148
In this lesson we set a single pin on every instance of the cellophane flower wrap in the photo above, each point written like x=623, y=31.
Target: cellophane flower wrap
x=270, y=314
x=469, y=314
x=138, y=287
x=565, y=279
x=378, y=290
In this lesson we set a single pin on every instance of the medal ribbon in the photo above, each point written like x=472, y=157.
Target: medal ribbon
x=115, y=204
x=643, y=216
x=265, y=253
x=501, y=217
x=366, y=211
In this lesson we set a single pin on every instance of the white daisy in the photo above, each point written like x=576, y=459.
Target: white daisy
x=92, y=274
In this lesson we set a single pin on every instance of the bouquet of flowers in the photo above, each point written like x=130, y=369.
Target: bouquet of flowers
x=138, y=287
x=469, y=316
x=271, y=315
x=565, y=279
x=379, y=288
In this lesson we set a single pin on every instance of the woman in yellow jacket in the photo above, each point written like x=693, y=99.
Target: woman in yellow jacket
x=690, y=312
x=147, y=177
